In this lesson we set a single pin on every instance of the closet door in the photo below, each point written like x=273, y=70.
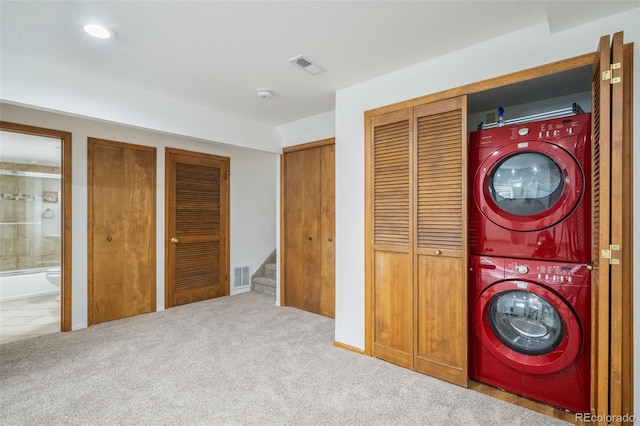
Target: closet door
x=389, y=180
x=612, y=284
x=121, y=246
x=440, y=244
x=309, y=227
x=197, y=227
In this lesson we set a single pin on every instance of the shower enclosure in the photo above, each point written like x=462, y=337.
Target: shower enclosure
x=30, y=228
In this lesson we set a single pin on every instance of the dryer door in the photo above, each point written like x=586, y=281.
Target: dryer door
x=528, y=186
x=528, y=327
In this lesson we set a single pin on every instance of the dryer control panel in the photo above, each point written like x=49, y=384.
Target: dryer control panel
x=548, y=272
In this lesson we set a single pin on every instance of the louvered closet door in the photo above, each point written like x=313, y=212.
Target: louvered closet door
x=612, y=278
x=197, y=188
x=441, y=315
x=391, y=216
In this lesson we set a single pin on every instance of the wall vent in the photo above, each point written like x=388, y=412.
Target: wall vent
x=241, y=276
x=305, y=64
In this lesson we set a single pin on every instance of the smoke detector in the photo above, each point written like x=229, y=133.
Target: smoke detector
x=305, y=64
x=264, y=93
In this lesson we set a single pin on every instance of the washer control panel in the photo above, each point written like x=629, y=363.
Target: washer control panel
x=547, y=272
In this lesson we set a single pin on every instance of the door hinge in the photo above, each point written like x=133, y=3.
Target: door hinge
x=608, y=74
x=614, y=259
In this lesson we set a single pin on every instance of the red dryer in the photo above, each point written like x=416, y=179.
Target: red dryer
x=530, y=329
x=530, y=190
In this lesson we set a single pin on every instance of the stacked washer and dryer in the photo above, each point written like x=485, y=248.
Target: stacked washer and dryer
x=529, y=264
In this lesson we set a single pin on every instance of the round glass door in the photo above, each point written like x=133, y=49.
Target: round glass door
x=525, y=322
x=528, y=186
x=527, y=326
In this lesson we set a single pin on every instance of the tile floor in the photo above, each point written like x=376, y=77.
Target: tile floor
x=29, y=317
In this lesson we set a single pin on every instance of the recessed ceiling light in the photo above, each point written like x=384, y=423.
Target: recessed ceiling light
x=99, y=31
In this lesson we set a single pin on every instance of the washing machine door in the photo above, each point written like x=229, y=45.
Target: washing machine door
x=528, y=186
x=528, y=327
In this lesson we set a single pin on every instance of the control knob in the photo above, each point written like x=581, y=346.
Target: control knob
x=523, y=269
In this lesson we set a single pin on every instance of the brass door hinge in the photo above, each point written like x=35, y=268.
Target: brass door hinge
x=608, y=74
x=614, y=258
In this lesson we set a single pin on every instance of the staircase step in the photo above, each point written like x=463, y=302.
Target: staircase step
x=271, y=270
x=264, y=285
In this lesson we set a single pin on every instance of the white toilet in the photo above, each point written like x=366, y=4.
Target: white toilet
x=53, y=276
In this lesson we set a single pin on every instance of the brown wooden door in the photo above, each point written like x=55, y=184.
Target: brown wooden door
x=121, y=246
x=197, y=227
x=612, y=280
x=309, y=227
x=440, y=243
x=390, y=201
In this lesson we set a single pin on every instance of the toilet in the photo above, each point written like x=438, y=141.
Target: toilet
x=53, y=276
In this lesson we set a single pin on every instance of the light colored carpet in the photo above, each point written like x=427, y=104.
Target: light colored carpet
x=231, y=361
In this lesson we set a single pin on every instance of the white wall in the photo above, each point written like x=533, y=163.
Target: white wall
x=524, y=49
x=27, y=81
x=253, y=193
x=314, y=128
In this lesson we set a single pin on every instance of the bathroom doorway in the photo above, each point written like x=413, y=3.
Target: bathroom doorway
x=35, y=226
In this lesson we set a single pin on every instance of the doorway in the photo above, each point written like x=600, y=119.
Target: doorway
x=35, y=231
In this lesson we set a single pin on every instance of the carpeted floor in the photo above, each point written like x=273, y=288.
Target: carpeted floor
x=231, y=361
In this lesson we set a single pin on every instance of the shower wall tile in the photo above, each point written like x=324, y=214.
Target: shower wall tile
x=7, y=248
x=8, y=232
x=8, y=263
x=48, y=247
x=52, y=260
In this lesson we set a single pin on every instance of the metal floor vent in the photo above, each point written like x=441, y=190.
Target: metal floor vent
x=305, y=64
x=241, y=276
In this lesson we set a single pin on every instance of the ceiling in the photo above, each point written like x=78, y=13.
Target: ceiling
x=216, y=54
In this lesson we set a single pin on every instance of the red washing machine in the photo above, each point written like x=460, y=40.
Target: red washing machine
x=530, y=190
x=530, y=332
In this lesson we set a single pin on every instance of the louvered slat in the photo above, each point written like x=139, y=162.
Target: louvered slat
x=439, y=174
x=197, y=194
x=197, y=265
x=595, y=185
x=391, y=184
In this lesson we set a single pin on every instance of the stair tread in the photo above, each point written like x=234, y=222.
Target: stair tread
x=264, y=280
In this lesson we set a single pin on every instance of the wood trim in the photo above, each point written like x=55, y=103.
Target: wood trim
x=308, y=145
x=491, y=83
x=627, y=244
x=282, y=228
x=524, y=402
x=66, y=206
x=348, y=347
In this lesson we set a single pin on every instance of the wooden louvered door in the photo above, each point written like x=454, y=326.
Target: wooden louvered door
x=390, y=198
x=612, y=280
x=416, y=249
x=440, y=254
x=197, y=227
x=121, y=236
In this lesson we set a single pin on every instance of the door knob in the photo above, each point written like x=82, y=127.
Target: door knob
x=109, y=238
x=438, y=252
x=174, y=240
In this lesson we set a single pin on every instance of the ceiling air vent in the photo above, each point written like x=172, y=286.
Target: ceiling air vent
x=305, y=64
